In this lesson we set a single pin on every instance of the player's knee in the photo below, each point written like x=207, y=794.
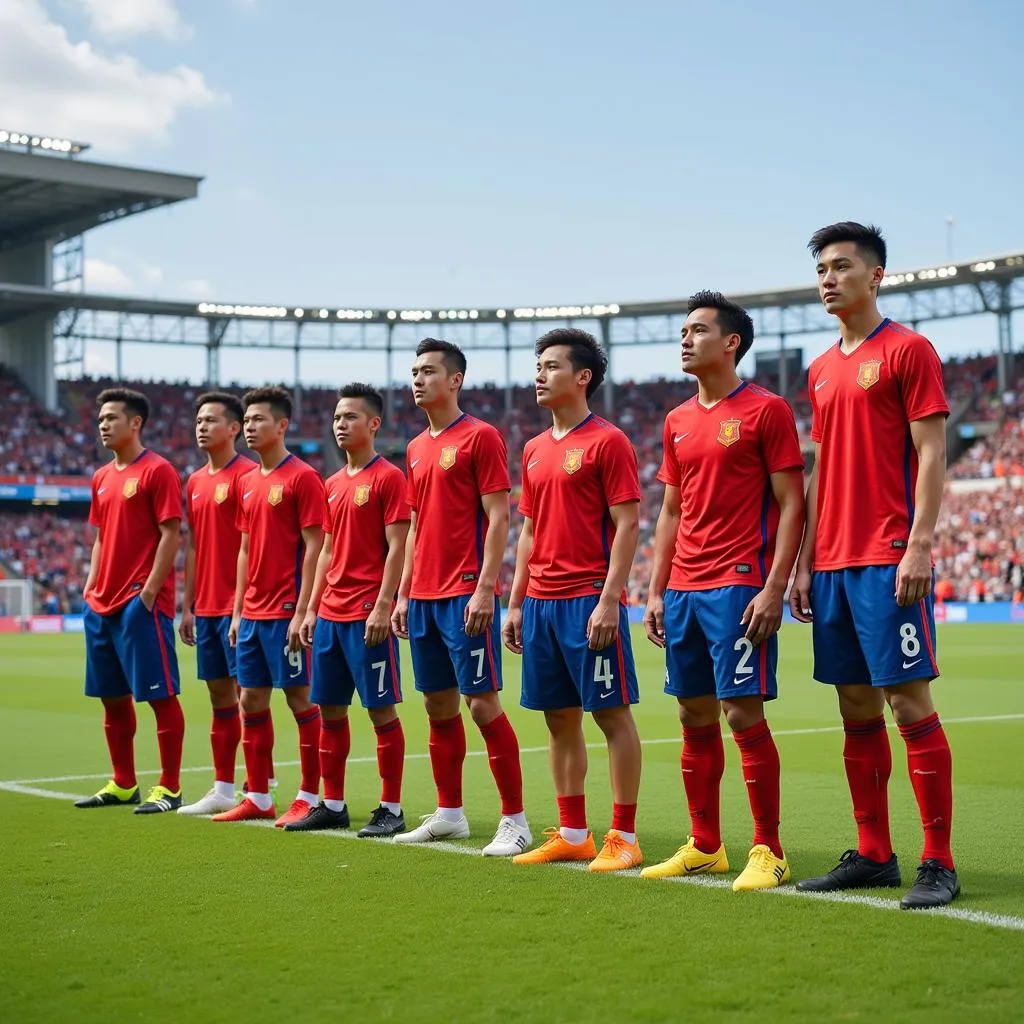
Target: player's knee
x=742, y=715
x=254, y=700
x=857, y=703
x=910, y=702
x=699, y=712
x=563, y=720
x=298, y=700
x=484, y=708
x=442, y=704
x=333, y=712
x=613, y=721
x=223, y=693
x=382, y=716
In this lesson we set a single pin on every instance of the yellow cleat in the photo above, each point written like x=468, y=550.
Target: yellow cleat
x=688, y=860
x=557, y=849
x=616, y=854
x=763, y=871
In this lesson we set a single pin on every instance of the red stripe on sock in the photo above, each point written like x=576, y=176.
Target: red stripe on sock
x=930, y=764
x=225, y=735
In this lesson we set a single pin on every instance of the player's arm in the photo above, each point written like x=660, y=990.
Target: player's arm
x=378, y=623
x=94, y=564
x=323, y=563
x=479, y=613
x=163, y=561
x=512, y=631
x=241, y=581
x=187, y=627
x=665, y=534
x=763, y=615
x=312, y=545
x=800, y=592
x=603, y=624
x=914, y=573
x=400, y=616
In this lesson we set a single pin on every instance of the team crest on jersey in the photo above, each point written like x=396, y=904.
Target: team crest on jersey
x=220, y=493
x=131, y=487
x=362, y=494
x=868, y=373
x=729, y=432
x=573, y=461
x=448, y=456
x=275, y=494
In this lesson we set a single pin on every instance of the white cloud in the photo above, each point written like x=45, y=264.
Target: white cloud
x=105, y=278
x=124, y=273
x=199, y=290
x=126, y=19
x=51, y=85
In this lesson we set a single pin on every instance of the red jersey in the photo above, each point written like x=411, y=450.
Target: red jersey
x=568, y=487
x=128, y=506
x=274, y=509
x=211, y=506
x=448, y=475
x=357, y=509
x=721, y=459
x=862, y=405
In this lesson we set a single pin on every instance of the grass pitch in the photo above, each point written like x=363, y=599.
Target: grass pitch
x=105, y=916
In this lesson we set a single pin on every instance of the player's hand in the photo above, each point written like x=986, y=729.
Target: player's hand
x=306, y=629
x=295, y=631
x=400, y=618
x=233, y=630
x=800, y=596
x=187, y=627
x=603, y=625
x=148, y=599
x=512, y=630
x=378, y=626
x=479, y=613
x=654, y=620
x=763, y=615
x=913, y=576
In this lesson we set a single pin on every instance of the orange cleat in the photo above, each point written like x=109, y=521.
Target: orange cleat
x=617, y=854
x=298, y=810
x=557, y=849
x=245, y=811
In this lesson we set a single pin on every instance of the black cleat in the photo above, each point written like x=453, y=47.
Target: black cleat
x=159, y=800
x=855, y=872
x=382, y=825
x=936, y=886
x=319, y=818
x=111, y=795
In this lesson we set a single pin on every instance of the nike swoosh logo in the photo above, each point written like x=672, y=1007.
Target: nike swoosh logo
x=101, y=490
x=414, y=464
x=246, y=495
x=702, y=867
x=608, y=694
x=911, y=664
x=920, y=771
x=679, y=437
x=331, y=498
x=532, y=464
x=820, y=384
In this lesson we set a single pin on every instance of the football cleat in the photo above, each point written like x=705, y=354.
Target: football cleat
x=298, y=810
x=435, y=827
x=616, y=854
x=936, y=886
x=556, y=849
x=111, y=795
x=246, y=811
x=763, y=871
x=509, y=840
x=688, y=860
x=159, y=800
x=855, y=872
x=317, y=819
x=211, y=803
x=382, y=825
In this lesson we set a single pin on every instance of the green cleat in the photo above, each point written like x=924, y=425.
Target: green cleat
x=111, y=795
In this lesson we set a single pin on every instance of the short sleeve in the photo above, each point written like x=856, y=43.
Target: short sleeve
x=918, y=369
x=780, y=443
x=393, y=498
x=669, y=472
x=165, y=493
x=620, y=476
x=815, y=412
x=309, y=500
x=328, y=525
x=526, y=494
x=411, y=497
x=490, y=462
x=242, y=514
x=95, y=519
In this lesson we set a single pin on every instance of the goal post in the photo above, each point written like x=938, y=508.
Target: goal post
x=16, y=599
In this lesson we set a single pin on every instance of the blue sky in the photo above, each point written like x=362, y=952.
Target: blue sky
x=465, y=154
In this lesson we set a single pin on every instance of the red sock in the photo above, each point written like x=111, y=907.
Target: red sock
x=119, y=727
x=225, y=735
x=759, y=758
x=335, y=744
x=271, y=774
x=572, y=811
x=931, y=774
x=170, y=738
x=308, y=722
x=390, y=760
x=703, y=765
x=257, y=742
x=447, y=747
x=868, y=759
x=624, y=817
x=503, y=757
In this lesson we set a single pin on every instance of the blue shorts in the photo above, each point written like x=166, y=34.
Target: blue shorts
x=343, y=664
x=861, y=635
x=262, y=657
x=130, y=652
x=215, y=657
x=706, y=653
x=559, y=668
x=444, y=657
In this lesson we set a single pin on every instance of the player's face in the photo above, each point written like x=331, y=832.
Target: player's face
x=115, y=425
x=556, y=381
x=431, y=383
x=213, y=427
x=354, y=424
x=704, y=345
x=847, y=280
x=262, y=431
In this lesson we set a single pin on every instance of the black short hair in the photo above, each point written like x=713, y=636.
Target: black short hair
x=453, y=357
x=135, y=402
x=867, y=238
x=585, y=352
x=232, y=406
x=279, y=400
x=369, y=394
x=732, y=318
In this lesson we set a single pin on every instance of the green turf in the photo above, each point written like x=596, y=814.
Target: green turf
x=105, y=916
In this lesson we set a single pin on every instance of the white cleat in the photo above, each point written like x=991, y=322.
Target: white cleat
x=509, y=840
x=212, y=803
x=434, y=827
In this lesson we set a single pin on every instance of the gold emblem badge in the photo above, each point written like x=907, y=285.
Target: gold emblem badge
x=573, y=461
x=131, y=487
x=868, y=373
x=729, y=432
x=275, y=494
x=220, y=493
x=448, y=456
x=362, y=495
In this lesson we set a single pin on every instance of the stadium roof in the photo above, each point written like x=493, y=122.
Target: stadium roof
x=45, y=197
